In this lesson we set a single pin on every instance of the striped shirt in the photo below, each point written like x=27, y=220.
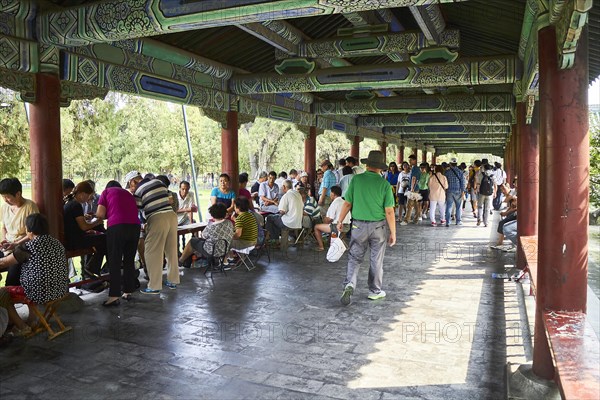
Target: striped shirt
x=247, y=223
x=153, y=197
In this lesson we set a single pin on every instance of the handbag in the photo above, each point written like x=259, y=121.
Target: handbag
x=337, y=248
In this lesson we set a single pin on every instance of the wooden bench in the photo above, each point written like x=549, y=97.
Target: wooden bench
x=81, y=253
x=573, y=344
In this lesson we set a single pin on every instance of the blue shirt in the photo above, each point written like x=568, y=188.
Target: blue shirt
x=415, y=172
x=329, y=181
x=456, y=179
x=223, y=198
x=392, y=178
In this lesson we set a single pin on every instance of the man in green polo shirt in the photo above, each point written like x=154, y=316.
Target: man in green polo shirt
x=372, y=203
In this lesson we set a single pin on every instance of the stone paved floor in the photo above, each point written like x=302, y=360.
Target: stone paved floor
x=280, y=332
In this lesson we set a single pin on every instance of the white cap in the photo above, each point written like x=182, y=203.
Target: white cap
x=453, y=160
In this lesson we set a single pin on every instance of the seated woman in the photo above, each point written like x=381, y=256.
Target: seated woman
x=44, y=276
x=204, y=246
x=78, y=230
x=246, y=226
x=223, y=194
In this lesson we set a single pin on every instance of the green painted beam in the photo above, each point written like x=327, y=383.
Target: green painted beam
x=414, y=104
x=431, y=21
x=463, y=72
x=112, y=20
x=436, y=119
x=456, y=129
x=371, y=45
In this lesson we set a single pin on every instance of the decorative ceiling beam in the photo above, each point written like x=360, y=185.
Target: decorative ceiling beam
x=416, y=130
x=19, y=54
x=495, y=150
x=372, y=45
x=569, y=17
x=16, y=18
x=279, y=34
x=432, y=119
x=412, y=104
x=387, y=76
x=370, y=18
x=448, y=137
x=113, y=20
x=88, y=71
x=431, y=21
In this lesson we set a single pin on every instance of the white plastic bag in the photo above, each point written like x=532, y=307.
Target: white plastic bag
x=336, y=249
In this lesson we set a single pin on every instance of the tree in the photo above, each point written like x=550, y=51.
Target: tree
x=14, y=136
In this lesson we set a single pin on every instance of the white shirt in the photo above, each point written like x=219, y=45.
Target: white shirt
x=292, y=204
x=183, y=217
x=499, y=177
x=358, y=169
x=335, y=208
x=270, y=193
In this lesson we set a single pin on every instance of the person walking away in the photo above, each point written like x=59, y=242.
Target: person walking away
x=455, y=192
x=413, y=186
x=437, y=195
x=403, y=183
x=484, y=186
x=372, y=205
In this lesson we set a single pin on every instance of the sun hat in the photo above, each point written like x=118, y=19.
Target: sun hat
x=303, y=174
x=375, y=159
x=130, y=175
x=453, y=160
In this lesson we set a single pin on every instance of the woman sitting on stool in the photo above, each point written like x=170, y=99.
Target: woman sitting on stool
x=204, y=246
x=44, y=275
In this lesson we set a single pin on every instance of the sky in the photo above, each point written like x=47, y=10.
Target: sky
x=594, y=92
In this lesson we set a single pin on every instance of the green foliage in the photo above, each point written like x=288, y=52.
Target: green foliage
x=14, y=137
x=595, y=160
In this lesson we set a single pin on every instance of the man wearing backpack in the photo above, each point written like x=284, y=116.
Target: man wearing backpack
x=484, y=186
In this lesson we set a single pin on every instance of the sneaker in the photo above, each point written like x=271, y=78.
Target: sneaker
x=376, y=296
x=226, y=267
x=478, y=222
x=346, y=298
x=485, y=225
x=459, y=223
x=447, y=224
x=149, y=291
x=442, y=222
x=231, y=260
x=170, y=285
x=403, y=223
x=420, y=219
x=433, y=224
x=509, y=249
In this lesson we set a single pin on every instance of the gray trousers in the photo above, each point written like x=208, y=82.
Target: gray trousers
x=484, y=205
x=367, y=234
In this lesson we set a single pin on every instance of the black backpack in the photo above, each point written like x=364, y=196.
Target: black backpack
x=487, y=186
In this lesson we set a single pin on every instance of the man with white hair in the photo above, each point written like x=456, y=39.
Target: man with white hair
x=290, y=211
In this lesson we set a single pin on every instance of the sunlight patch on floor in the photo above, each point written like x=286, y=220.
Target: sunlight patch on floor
x=430, y=343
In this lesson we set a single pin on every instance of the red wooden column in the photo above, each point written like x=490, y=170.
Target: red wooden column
x=433, y=158
x=310, y=154
x=529, y=160
x=507, y=154
x=400, y=156
x=229, y=148
x=45, y=151
x=355, y=148
x=383, y=149
x=414, y=151
x=564, y=183
x=424, y=155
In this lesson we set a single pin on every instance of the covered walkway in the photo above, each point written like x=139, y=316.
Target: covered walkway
x=445, y=330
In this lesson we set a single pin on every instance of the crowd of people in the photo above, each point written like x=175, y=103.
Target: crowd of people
x=142, y=216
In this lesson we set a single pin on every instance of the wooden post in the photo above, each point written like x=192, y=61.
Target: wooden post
x=229, y=149
x=310, y=154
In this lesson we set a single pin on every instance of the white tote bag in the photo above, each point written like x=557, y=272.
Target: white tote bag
x=336, y=249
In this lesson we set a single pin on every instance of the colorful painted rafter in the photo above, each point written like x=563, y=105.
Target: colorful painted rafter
x=412, y=104
x=373, y=45
x=432, y=119
x=397, y=75
x=113, y=20
x=88, y=71
x=410, y=130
